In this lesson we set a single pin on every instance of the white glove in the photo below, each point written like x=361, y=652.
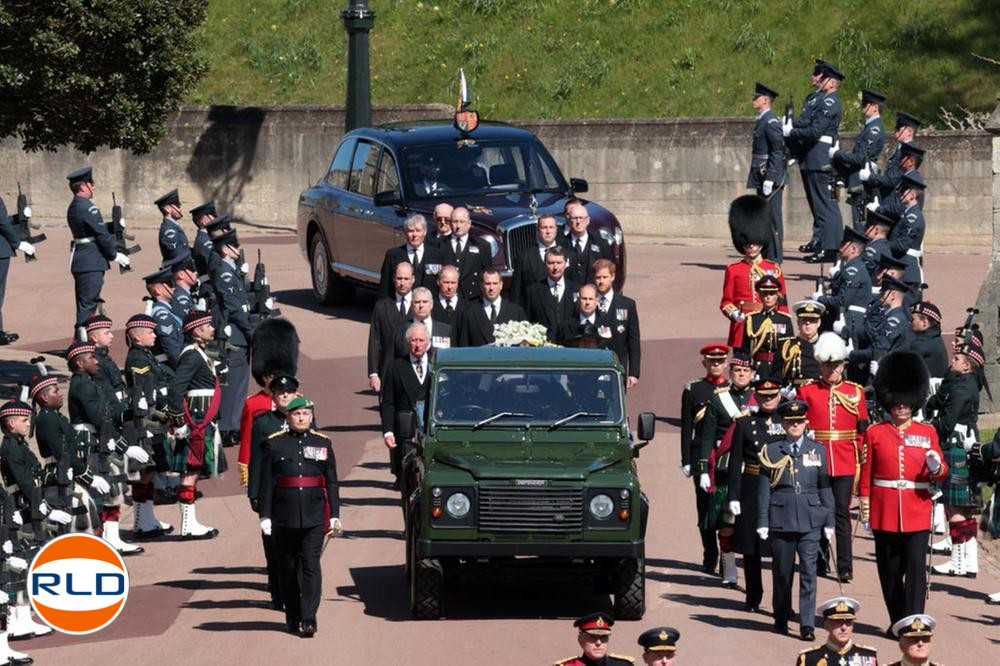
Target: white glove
x=336, y=527
x=786, y=128
x=8, y=547
x=43, y=508
x=704, y=482
x=122, y=260
x=269, y=303
x=734, y=508
x=17, y=518
x=100, y=486
x=787, y=392
x=872, y=206
x=245, y=268
x=834, y=270
x=69, y=473
x=828, y=533
x=228, y=330
x=767, y=188
x=838, y=326
x=933, y=461
x=17, y=564
x=111, y=445
x=762, y=532
x=27, y=248
x=873, y=367
x=60, y=516
x=265, y=526
x=737, y=316
x=138, y=454
x=816, y=295
x=182, y=432
x=865, y=172
x=142, y=404
x=832, y=150
x=850, y=346
x=686, y=470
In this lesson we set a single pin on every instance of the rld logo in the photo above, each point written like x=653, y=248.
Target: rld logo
x=78, y=584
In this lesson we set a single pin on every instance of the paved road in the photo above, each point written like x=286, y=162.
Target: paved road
x=205, y=602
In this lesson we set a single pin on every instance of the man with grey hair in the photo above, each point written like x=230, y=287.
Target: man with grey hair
x=448, y=301
x=405, y=388
x=441, y=233
x=438, y=332
x=425, y=258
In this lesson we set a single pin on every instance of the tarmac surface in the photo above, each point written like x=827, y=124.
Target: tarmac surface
x=205, y=602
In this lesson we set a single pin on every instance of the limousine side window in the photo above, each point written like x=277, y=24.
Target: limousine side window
x=363, y=168
x=388, y=177
x=341, y=166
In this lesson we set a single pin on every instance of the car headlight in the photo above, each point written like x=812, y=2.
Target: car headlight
x=611, y=236
x=458, y=505
x=601, y=506
x=27, y=211
x=493, y=243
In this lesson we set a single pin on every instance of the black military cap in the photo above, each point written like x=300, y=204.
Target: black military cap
x=912, y=181
x=40, y=383
x=768, y=386
x=890, y=283
x=927, y=309
x=171, y=198
x=768, y=283
x=79, y=347
x=183, y=262
x=162, y=275
x=912, y=150
x=97, y=321
x=283, y=383
x=809, y=309
x=819, y=67
x=589, y=337
x=840, y=608
x=891, y=263
x=793, y=410
x=852, y=236
x=741, y=359
x=140, y=321
x=207, y=208
x=15, y=408
x=196, y=318
x=871, y=97
x=761, y=89
x=660, y=639
x=973, y=350
x=219, y=225
x=595, y=624
x=227, y=238
x=831, y=72
x=86, y=174
x=904, y=119
x=875, y=217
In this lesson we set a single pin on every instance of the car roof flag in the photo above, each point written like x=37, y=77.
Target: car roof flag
x=463, y=90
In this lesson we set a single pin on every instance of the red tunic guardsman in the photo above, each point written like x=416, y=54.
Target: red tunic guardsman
x=839, y=417
x=899, y=460
x=750, y=228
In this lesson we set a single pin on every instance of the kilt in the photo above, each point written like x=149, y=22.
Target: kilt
x=955, y=489
x=745, y=538
x=214, y=459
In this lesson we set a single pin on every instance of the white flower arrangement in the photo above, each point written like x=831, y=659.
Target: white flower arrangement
x=519, y=333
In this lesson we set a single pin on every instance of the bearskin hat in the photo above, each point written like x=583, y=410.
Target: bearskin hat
x=750, y=221
x=902, y=379
x=274, y=349
x=830, y=347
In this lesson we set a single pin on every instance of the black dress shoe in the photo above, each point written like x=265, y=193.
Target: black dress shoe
x=210, y=534
x=8, y=338
x=846, y=577
x=750, y=607
x=807, y=634
x=21, y=660
x=780, y=628
x=308, y=629
x=292, y=628
x=276, y=604
x=808, y=247
x=822, y=257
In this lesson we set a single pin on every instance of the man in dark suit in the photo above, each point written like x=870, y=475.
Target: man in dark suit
x=426, y=259
x=623, y=317
x=792, y=510
x=448, y=300
x=587, y=248
x=441, y=233
x=585, y=315
x=406, y=383
x=530, y=267
x=387, y=314
x=476, y=319
x=438, y=332
x=550, y=302
x=470, y=255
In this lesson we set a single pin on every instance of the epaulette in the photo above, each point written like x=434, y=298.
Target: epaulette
x=630, y=660
x=277, y=434
x=855, y=385
x=316, y=432
x=563, y=661
x=810, y=649
x=720, y=389
x=687, y=387
x=808, y=382
x=866, y=647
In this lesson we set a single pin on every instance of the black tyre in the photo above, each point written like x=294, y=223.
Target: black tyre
x=328, y=287
x=630, y=590
x=426, y=589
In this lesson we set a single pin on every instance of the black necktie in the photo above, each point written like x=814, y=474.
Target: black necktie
x=418, y=366
x=402, y=306
x=493, y=313
x=795, y=448
x=579, y=246
x=449, y=308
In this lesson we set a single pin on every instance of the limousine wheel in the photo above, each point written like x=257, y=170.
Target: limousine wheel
x=328, y=288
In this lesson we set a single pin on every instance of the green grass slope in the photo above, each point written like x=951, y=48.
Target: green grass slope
x=607, y=58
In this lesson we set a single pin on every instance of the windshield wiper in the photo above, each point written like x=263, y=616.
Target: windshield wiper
x=498, y=415
x=567, y=419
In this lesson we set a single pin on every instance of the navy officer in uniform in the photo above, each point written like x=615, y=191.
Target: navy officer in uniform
x=299, y=505
x=792, y=509
x=915, y=633
x=173, y=241
x=839, y=614
x=594, y=632
x=659, y=646
x=93, y=246
x=767, y=165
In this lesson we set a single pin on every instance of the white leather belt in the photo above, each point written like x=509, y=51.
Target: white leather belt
x=876, y=290
x=245, y=307
x=83, y=241
x=857, y=308
x=902, y=484
x=163, y=390
x=120, y=395
x=162, y=358
x=200, y=393
x=915, y=253
x=760, y=157
x=85, y=427
x=826, y=138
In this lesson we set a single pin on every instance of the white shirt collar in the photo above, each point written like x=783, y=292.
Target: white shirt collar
x=561, y=283
x=575, y=240
x=875, y=117
x=592, y=319
x=488, y=303
x=608, y=297
x=404, y=298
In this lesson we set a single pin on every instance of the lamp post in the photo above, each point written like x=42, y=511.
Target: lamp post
x=358, y=21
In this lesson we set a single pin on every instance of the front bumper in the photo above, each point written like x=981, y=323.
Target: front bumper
x=431, y=548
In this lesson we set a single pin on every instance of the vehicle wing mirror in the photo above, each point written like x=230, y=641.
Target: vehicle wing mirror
x=578, y=185
x=406, y=425
x=388, y=198
x=647, y=426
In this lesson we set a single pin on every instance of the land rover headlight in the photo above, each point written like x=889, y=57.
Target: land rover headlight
x=601, y=506
x=458, y=505
x=494, y=244
x=613, y=237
